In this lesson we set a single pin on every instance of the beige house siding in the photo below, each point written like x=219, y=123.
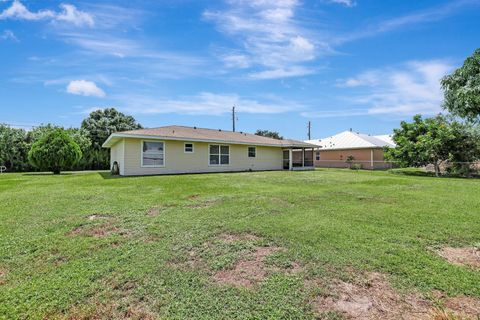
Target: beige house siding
x=177, y=161
x=337, y=158
x=117, y=152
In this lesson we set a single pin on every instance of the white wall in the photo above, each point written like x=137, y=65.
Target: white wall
x=177, y=161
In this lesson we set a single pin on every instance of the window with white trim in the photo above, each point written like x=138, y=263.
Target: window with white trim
x=153, y=154
x=252, y=152
x=219, y=155
x=188, y=148
x=317, y=155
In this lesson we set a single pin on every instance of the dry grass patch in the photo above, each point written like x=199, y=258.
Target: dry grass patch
x=156, y=210
x=249, y=270
x=3, y=275
x=120, y=303
x=465, y=256
x=460, y=307
x=373, y=298
x=97, y=231
x=240, y=260
x=232, y=237
x=197, y=202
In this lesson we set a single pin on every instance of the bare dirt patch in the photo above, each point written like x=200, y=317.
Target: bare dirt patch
x=240, y=260
x=202, y=204
x=3, y=275
x=465, y=256
x=96, y=231
x=461, y=307
x=373, y=298
x=249, y=270
x=232, y=237
x=156, y=210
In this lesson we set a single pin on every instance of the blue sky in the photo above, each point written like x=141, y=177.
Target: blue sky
x=341, y=64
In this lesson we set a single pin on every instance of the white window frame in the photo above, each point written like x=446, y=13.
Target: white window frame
x=164, y=154
x=248, y=152
x=185, y=145
x=317, y=156
x=219, y=155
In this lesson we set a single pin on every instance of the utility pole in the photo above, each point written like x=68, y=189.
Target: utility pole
x=233, y=118
x=309, y=130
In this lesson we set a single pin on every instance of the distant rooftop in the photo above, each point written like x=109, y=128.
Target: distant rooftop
x=207, y=135
x=353, y=140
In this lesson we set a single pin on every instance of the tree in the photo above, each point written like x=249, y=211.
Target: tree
x=432, y=141
x=98, y=126
x=269, y=134
x=80, y=136
x=462, y=89
x=101, y=123
x=13, y=148
x=54, y=151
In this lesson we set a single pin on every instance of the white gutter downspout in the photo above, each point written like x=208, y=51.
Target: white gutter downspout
x=290, y=158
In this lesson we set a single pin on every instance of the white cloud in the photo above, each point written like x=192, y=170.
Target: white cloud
x=204, y=103
x=72, y=15
x=368, y=78
x=268, y=36
x=85, y=88
x=406, y=90
x=294, y=71
x=8, y=35
x=346, y=3
x=68, y=14
x=18, y=11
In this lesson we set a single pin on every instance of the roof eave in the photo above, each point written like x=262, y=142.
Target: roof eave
x=108, y=143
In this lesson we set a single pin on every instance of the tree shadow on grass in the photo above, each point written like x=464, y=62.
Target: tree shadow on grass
x=421, y=173
x=47, y=174
x=108, y=175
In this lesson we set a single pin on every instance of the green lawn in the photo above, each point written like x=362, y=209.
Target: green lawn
x=132, y=258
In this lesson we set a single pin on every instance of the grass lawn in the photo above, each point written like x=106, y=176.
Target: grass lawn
x=87, y=245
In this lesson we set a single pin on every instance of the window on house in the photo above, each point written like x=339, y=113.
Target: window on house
x=153, y=154
x=317, y=155
x=219, y=155
x=252, y=152
x=188, y=147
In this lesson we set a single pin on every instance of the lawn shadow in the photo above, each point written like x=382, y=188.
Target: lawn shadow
x=420, y=173
x=47, y=174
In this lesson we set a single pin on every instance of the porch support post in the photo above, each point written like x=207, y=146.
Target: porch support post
x=303, y=157
x=371, y=158
x=290, y=159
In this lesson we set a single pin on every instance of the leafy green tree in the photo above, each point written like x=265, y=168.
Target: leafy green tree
x=101, y=123
x=432, y=141
x=13, y=148
x=462, y=89
x=41, y=130
x=54, y=151
x=80, y=136
x=269, y=134
x=98, y=126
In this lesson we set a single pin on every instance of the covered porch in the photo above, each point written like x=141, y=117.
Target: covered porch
x=298, y=158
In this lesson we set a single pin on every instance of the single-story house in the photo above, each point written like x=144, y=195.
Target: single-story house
x=366, y=150
x=179, y=149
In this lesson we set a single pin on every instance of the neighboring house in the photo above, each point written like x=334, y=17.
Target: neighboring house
x=366, y=150
x=179, y=149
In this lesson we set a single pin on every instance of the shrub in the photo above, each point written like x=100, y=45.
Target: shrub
x=356, y=166
x=54, y=151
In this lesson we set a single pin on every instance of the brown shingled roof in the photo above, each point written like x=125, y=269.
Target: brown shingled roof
x=209, y=135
